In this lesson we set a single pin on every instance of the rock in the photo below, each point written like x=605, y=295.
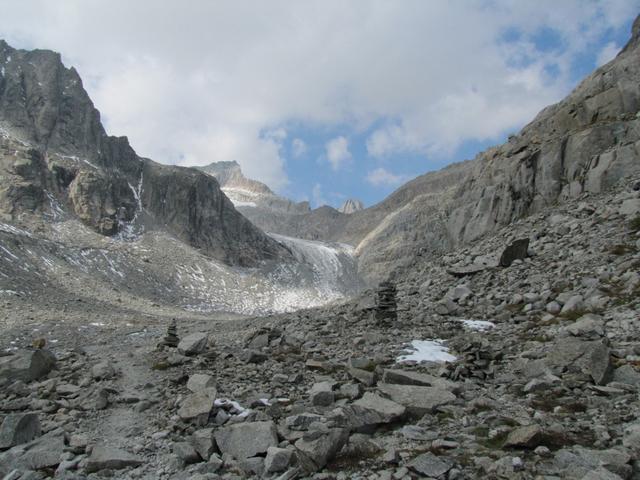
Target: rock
x=203, y=442
x=186, y=452
x=277, y=459
x=253, y=356
x=27, y=365
x=406, y=377
x=417, y=400
x=573, y=304
x=104, y=457
x=589, y=326
x=553, y=308
x=459, y=292
x=430, y=465
x=574, y=355
x=317, y=447
x=601, y=473
x=626, y=374
x=102, y=371
x=525, y=437
x=301, y=421
x=199, y=382
x=351, y=390
x=363, y=376
x=246, y=440
x=631, y=438
x=370, y=411
x=197, y=407
x=630, y=207
x=193, y=344
x=19, y=428
x=321, y=394
x=517, y=250
x=576, y=462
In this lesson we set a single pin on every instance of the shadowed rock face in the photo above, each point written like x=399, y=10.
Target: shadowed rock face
x=54, y=151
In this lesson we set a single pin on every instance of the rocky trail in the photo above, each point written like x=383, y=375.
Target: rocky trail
x=476, y=370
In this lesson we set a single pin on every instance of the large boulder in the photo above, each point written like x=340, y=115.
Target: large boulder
x=19, y=428
x=366, y=414
x=193, y=344
x=317, y=447
x=572, y=355
x=197, y=407
x=244, y=440
x=417, y=400
x=104, y=457
x=27, y=365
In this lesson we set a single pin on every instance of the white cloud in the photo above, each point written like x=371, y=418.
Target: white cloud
x=317, y=195
x=298, y=147
x=382, y=177
x=338, y=152
x=201, y=81
x=608, y=53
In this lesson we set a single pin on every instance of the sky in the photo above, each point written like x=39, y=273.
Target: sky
x=322, y=100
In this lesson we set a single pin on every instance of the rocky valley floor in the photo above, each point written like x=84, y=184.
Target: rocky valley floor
x=541, y=378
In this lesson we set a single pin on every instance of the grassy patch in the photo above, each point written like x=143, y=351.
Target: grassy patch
x=160, y=365
x=622, y=249
x=574, y=314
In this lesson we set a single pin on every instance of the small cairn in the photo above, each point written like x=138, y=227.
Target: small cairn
x=171, y=339
x=476, y=361
x=386, y=310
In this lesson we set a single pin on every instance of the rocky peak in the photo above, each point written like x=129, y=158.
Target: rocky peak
x=55, y=151
x=351, y=205
x=230, y=176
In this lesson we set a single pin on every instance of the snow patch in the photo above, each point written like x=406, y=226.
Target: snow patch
x=427, y=351
x=478, y=325
x=238, y=203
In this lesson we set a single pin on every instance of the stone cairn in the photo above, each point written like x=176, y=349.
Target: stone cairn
x=386, y=310
x=476, y=360
x=171, y=339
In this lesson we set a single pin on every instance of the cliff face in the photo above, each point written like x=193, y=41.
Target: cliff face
x=585, y=143
x=54, y=152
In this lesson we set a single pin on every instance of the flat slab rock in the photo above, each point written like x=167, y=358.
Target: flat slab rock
x=244, y=440
x=430, y=465
x=407, y=377
x=417, y=400
x=105, y=457
x=366, y=414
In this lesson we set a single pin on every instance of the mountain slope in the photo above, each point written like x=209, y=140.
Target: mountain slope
x=584, y=144
x=54, y=150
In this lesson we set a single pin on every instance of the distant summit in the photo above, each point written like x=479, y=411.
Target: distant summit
x=247, y=194
x=350, y=206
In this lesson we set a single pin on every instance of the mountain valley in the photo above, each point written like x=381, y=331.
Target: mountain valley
x=189, y=323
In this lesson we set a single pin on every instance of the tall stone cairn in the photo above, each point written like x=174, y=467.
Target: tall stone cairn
x=171, y=339
x=386, y=305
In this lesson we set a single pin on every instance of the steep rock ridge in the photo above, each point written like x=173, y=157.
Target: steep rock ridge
x=351, y=205
x=585, y=143
x=56, y=157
